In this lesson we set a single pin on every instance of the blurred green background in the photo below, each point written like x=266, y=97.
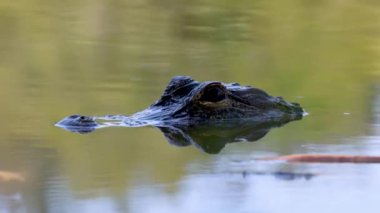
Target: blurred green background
x=109, y=57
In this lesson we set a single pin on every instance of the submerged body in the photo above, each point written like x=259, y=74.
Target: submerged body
x=186, y=102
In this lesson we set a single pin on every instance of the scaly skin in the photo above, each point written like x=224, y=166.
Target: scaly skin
x=186, y=99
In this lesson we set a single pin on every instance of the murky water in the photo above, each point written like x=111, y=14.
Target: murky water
x=98, y=57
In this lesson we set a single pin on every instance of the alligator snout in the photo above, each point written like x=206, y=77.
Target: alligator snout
x=77, y=121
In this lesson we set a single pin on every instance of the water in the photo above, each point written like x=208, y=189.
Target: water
x=97, y=58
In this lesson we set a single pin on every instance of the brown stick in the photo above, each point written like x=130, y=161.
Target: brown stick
x=316, y=158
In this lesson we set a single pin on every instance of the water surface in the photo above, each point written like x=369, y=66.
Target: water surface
x=97, y=58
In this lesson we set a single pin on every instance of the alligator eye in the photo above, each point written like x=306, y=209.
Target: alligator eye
x=213, y=94
x=82, y=117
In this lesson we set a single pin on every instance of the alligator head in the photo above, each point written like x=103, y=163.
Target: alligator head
x=187, y=100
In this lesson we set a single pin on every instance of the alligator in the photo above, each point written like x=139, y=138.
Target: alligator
x=211, y=114
x=186, y=102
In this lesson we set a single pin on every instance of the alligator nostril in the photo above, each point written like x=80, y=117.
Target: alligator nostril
x=82, y=117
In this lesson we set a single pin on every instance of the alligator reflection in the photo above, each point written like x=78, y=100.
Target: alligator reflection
x=210, y=138
x=213, y=138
